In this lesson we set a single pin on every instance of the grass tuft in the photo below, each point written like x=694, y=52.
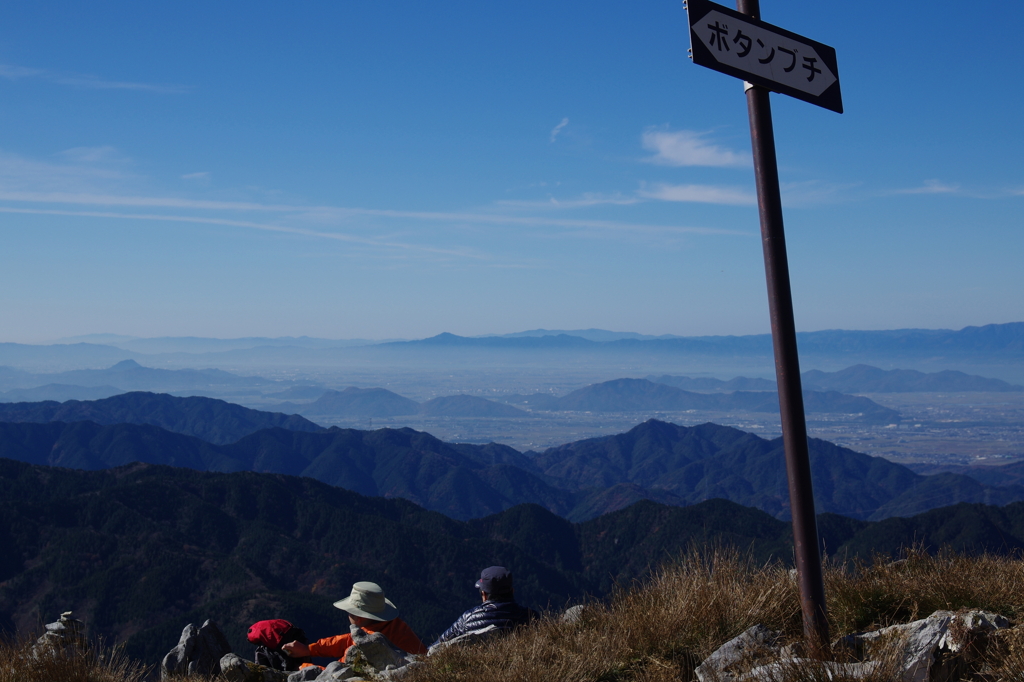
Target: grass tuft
x=72, y=664
x=661, y=629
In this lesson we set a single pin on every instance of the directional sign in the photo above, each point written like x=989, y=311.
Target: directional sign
x=725, y=40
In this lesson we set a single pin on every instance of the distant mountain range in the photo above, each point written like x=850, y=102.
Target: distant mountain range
x=618, y=395
x=139, y=551
x=855, y=379
x=655, y=460
x=997, y=344
x=636, y=395
x=208, y=419
x=129, y=375
x=1000, y=339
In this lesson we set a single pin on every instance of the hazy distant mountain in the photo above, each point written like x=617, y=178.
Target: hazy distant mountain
x=600, y=335
x=129, y=375
x=710, y=384
x=361, y=402
x=867, y=379
x=640, y=395
x=999, y=345
x=446, y=340
x=1004, y=340
x=192, y=344
x=59, y=356
x=468, y=406
x=58, y=392
x=214, y=421
x=855, y=379
x=380, y=402
x=299, y=393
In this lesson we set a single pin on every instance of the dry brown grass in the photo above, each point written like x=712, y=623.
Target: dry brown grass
x=884, y=592
x=658, y=631
x=661, y=630
x=76, y=664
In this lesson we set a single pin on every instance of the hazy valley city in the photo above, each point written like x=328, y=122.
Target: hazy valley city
x=469, y=342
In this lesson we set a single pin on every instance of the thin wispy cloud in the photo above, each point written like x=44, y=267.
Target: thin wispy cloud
x=327, y=214
x=689, y=148
x=704, y=194
x=813, y=192
x=930, y=187
x=558, y=128
x=12, y=72
x=203, y=175
x=242, y=223
x=583, y=201
x=85, y=81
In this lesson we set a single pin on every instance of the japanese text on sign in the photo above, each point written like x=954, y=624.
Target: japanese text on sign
x=756, y=50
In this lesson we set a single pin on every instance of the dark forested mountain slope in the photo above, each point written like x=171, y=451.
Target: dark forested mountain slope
x=707, y=461
x=212, y=420
x=655, y=460
x=141, y=550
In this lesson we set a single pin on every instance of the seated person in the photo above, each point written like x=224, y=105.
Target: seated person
x=498, y=610
x=367, y=608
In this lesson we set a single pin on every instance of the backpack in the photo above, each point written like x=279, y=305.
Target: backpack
x=268, y=636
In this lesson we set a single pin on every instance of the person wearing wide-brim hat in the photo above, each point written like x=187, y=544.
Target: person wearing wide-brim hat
x=368, y=608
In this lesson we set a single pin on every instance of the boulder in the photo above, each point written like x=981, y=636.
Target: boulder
x=943, y=646
x=754, y=642
x=372, y=652
x=199, y=652
x=574, y=614
x=234, y=668
x=335, y=672
x=809, y=669
x=307, y=674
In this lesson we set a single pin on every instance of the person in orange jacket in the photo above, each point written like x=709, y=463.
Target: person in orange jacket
x=369, y=609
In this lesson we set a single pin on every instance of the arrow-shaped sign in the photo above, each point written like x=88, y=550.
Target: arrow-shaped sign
x=733, y=43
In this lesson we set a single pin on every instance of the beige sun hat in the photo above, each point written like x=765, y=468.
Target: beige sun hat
x=367, y=600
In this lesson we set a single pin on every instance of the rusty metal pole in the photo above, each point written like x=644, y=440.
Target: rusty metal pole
x=787, y=364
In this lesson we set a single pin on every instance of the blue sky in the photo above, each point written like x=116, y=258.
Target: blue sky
x=400, y=169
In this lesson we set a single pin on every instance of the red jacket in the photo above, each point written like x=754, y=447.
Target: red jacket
x=397, y=632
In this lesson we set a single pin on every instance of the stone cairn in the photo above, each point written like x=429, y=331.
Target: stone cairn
x=64, y=637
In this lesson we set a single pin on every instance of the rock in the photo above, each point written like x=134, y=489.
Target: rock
x=199, y=652
x=920, y=640
x=63, y=636
x=399, y=673
x=943, y=646
x=809, y=669
x=755, y=641
x=336, y=671
x=234, y=668
x=372, y=652
x=307, y=674
x=574, y=614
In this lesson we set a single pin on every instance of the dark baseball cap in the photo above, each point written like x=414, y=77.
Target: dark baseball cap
x=495, y=580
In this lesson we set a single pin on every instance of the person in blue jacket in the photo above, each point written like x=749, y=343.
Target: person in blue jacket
x=498, y=611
